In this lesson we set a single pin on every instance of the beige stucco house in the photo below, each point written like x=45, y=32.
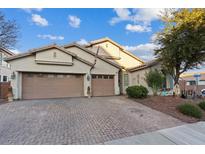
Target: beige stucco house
x=101, y=68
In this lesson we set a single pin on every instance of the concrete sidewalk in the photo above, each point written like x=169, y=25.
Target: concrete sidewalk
x=193, y=134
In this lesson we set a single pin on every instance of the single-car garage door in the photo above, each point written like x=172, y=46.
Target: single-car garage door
x=41, y=85
x=102, y=85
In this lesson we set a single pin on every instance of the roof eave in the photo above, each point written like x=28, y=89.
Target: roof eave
x=85, y=49
x=116, y=44
x=8, y=51
x=144, y=66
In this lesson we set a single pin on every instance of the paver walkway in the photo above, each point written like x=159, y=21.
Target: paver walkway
x=78, y=120
x=191, y=134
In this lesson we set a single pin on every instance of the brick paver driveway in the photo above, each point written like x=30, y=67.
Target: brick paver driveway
x=77, y=120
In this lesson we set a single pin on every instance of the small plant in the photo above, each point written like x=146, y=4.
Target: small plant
x=137, y=91
x=154, y=79
x=202, y=105
x=190, y=110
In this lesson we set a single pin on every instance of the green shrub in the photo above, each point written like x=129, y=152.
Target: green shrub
x=155, y=79
x=202, y=105
x=137, y=91
x=190, y=110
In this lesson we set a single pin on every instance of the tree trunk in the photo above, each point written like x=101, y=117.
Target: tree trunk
x=154, y=90
x=176, y=88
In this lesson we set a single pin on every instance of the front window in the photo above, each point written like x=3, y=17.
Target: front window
x=100, y=76
x=126, y=80
x=5, y=78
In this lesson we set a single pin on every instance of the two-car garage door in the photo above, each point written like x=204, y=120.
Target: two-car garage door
x=48, y=85
x=40, y=85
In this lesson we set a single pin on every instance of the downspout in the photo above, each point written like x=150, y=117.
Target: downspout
x=95, y=60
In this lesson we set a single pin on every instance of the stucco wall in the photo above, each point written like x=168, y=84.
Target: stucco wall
x=111, y=49
x=138, y=77
x=101, y=67
x=48, y=55
x=28, y=64
x=125, y=60
x=80, y=53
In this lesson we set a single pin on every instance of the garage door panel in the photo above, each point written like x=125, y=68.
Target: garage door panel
x=51, y=86
x=103, y=86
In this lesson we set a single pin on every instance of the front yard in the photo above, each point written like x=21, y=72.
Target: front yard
x=168, y=105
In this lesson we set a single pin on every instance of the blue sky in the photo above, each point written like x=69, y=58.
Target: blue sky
x=132, y=28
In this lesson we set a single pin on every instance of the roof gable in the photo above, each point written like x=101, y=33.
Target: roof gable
x=46, y=48
x=106, y=39
x=91, y=53
x=7, y=51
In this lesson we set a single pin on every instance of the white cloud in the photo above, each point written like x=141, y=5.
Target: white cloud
x=142, y=47
x=50, y=37
x=38, y=20
x=122, y=15
x=144, y=51
x=29, y=10
x=138, y=28
x=140, y=18
x=74, y=21
x=136, y=15
x=82, y=42
x=147, y=15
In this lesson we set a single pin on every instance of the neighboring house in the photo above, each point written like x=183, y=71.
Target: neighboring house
x=188, y=82
x=137, y=76
x=101, y=68
x=5, y=70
